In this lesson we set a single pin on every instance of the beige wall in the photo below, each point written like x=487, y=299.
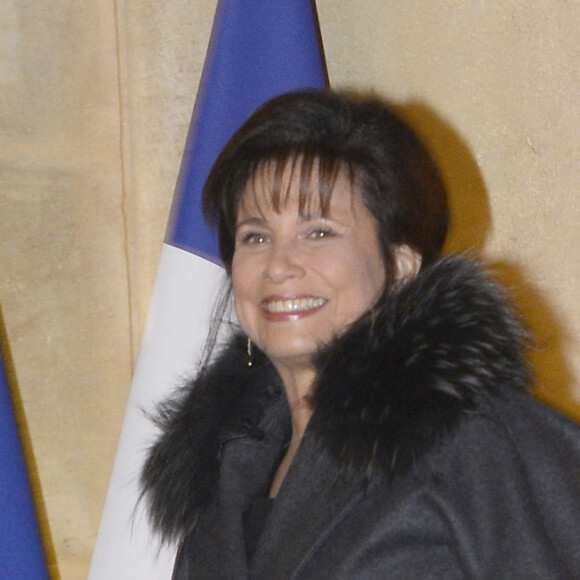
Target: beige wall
x=95, y=102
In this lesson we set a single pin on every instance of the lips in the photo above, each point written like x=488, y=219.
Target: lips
x=283, y=308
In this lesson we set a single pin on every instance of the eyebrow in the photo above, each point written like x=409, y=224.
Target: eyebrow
x=259, y=221
x=251, y=221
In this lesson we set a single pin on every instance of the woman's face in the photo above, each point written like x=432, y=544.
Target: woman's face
x=301, y=278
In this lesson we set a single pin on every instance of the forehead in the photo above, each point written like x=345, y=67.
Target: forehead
x=309, y=185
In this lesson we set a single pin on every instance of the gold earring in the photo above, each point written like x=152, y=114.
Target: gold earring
x=249, y=354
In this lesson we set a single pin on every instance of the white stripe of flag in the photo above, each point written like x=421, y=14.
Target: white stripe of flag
x=257, y=50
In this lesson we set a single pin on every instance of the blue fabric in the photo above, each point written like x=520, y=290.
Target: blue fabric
x=258, y=49
x=21, y=554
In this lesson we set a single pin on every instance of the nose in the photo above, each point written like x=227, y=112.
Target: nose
x=283, y=262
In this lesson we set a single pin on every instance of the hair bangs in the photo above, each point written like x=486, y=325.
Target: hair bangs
x=272, y=180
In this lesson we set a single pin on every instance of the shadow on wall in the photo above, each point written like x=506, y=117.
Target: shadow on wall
x=547, y=352
x=471, y=222
x=468, y=200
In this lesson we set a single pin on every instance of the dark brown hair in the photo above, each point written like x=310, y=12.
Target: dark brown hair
x=326, y=132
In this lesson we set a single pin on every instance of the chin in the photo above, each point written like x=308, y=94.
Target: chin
x=298, y=353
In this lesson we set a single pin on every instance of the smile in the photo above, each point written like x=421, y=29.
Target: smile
x=292, y=306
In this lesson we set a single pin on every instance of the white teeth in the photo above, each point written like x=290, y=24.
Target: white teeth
x=297, y=305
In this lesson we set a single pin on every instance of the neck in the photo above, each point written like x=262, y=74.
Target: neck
x=297, y=384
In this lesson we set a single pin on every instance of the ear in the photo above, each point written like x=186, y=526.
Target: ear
x=407, y=262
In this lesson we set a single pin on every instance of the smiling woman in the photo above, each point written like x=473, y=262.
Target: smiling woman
x=369, y=418
x=299, y=278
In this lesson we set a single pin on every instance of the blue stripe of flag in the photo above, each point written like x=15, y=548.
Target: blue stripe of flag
x=258, y=49
x=21, y=553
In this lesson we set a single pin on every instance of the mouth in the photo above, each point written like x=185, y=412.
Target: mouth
x=292, y=306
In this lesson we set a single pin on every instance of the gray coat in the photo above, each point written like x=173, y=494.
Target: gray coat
x=424, y=458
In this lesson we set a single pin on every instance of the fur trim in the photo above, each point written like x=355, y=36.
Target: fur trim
x=387, y=391
x=181, y=471
x=398, y=382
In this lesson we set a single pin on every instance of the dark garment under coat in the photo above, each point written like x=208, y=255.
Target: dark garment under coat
x=424, y=458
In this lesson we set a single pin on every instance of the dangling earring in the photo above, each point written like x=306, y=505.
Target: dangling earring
x=249, y=354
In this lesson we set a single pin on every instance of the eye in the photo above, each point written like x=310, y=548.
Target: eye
x=253, y=238
x=321, y=233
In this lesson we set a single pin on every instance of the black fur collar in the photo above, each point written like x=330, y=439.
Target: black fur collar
x=387, y=391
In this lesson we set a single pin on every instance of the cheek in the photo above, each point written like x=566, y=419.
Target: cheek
x=377, y=275
x=362, y=274
x=371, y=266
x=238, y=284
x=242, y=285
x=239, y=274
x=244, y=315
x=365, y=288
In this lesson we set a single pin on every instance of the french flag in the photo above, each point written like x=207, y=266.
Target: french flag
x=21, y=552
x=258, y=49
